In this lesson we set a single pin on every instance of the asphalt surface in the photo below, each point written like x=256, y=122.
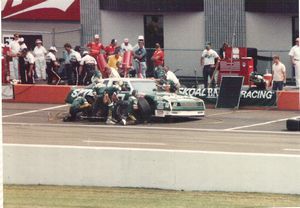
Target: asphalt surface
x=241, y=131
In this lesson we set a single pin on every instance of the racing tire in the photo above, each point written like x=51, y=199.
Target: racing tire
x=144, y=112
x=293, y=124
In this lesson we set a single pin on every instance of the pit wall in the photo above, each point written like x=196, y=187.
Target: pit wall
x=164, y=169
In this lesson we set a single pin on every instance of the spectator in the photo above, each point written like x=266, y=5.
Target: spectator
x=139, y=62
x=110, y=49
x=113, y=59
x=295, y=58
x=158, y=58
x=15, y=49
x=95, y=47
x=52, y=66
x=71, y=57
x=208, y=60
x=29, y=65
x=40, y=60
x=126, y=46
x=87, y=68
x=279, y=74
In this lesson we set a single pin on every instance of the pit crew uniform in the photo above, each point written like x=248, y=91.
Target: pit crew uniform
x=75, y=59
x=79, y=104
x=88, y=63
x=29, y=66
x=295, y=54
x=95, y=48
x=173, y=81
x=51, y=68
x=15, y=49
x=40, y=62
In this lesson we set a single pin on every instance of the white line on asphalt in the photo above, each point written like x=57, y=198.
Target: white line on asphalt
x=258, y=124
x=292, y=150
x=151, y=150
x=225, y=113
x=63, y=125
x=34, y=111
x=114, y=142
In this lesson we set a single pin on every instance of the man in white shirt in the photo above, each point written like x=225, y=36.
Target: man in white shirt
x=172, y=82
x=295, y=58
x=72, y=60
x=126, y=46
x=87, y=68
x=14, y=51
x=52, y=66
x=29, y=65
x=208, y=60
x=40, y=60
x=279, y=74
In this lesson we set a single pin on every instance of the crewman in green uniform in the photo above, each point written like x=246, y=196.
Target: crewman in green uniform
x=79, y=104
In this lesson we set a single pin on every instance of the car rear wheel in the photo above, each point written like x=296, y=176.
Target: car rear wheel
x=293, y=124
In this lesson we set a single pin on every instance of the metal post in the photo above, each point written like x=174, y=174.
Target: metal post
x=53, y=36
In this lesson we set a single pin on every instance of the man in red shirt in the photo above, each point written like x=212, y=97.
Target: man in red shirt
x=110, y=50
x=158, y=59
x=95, y=46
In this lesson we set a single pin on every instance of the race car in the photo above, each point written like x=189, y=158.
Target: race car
x=151, y=102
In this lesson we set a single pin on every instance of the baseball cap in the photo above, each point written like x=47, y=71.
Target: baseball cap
x=85, y=52
x=53, y=48
x=38, y=41
x=96, y=36
x=141, y=37
x=21, y=40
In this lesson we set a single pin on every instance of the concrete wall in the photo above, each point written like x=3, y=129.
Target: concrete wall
x=182, y=31
x=37, y=28
x=271, y=32
x=165, y=169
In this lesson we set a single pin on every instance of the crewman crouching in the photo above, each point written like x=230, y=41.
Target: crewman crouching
x=78, y=105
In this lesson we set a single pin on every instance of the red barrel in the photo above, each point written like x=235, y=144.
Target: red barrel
x=127, y=62
x=101, y=65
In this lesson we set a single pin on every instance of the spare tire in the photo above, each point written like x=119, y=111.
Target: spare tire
x=293, y=124
x=144, y=110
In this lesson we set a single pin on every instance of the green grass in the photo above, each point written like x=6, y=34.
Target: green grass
x=87, y=197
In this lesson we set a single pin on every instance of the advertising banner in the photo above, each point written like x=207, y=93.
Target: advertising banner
x=57, y=10
x=250, y=97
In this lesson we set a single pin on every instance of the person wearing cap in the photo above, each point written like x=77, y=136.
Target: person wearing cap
x=295, y=59
x=158, y=58
x=29, y=61
x=126, y=46
x=113, y=59
x=14, y=52
x=40, y=60
x=52, y=65
x=110, y=49
x=208, y=58
x=139, y=59
x=87, y=68
x=95, y=46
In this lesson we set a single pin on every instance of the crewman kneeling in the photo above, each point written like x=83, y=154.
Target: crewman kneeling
x=79, y=104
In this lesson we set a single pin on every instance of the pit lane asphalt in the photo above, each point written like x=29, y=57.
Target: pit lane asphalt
x=247, y=131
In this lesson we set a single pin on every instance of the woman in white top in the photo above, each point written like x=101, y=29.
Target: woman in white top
x=40, y=60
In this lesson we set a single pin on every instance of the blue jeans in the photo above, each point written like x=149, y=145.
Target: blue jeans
x=140, y=67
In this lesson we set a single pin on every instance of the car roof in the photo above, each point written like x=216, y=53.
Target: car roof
x=129, y=79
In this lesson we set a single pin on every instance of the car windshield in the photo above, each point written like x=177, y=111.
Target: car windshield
x=147, y=87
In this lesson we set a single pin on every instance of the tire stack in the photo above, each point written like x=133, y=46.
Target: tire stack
x=293, y=124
